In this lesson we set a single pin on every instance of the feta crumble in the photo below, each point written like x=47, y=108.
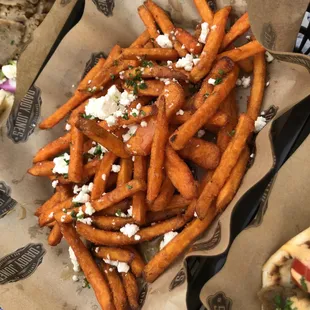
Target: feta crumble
x=68, y=127
x=269, y=57
x=200, y=133
x=260, y=123
x=164, y=41
x=89, y=210
x=137, y=237
x=213, y=27
x=9, y=70
x=180, y=112
x=75, y=278
x=211, y=81
x=195, y=214
x=167, y=238
x=185, y=62
x=143, y=124
x=121, y=266
x=116, y=168
x=86, y=220
x=244, y=81
x=54, y=183
x=104, y=177
x=204, y=32
x=61, y=164
x=131, y=131
x=82, y=193
x=76, y=266
x=129, y=230
x=51, y=215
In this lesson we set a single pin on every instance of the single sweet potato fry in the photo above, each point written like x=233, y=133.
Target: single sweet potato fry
x=96, y=133
x=228, y=161
x=114, y=238
x=148, y=21
x=258, y=86
x=42, y=168
x=165, y=195
x=203, y=153
x=142, y=39
x=53, y=148
x=125, y=174
x=89, y=267
x=190, y=42
x=48, y=204
x=116, y=286
x=138, y=264
x=152, y=217
x=111, y=222
x=112, y=253
x=155, y=171
x=231, y=186
x=76, y=156
x=131, y=288
x=241, y=26
x=182, y=135
x=212, y=45
x=204, y=11
x=150, y=53
x=164, y=258
x=138, y=199
x=102, y=175
x=55, y=235
x=244, y=51
x=150, y=88
x=180, y=174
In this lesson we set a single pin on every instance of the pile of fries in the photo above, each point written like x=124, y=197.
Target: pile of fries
x=135, y=121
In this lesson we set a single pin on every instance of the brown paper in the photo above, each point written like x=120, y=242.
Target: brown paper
x=287, y=214
x=97, y=32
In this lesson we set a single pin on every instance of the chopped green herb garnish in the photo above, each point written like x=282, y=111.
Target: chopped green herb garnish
x=98, y=150
x=86, y=116
x=206, y=95
x=65, y=175
x=77, y=204
x=2, y=76
x=125, y=116
x=146, y=63
x=64, y=210
x=73, y=214
x=12, y=42
x=67, y=161
x=80, y=216
x=118, y=212
x=142, y=112
x=278, y=301
x=303, y=283
x=218, y=81
x=130, y=67
x=129, y=186
x=232, y=133
x=221, y=72
x=283, y=304
x=86, y=283
x=134, y=114
x=112, y=76
x=142, y=86
x=115, y=63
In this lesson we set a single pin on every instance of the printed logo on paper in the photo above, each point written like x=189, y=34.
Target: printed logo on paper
x=6, y=202
x=295, y=59
x=24, y=116
x=21, y=264
x=268, y=35
x=178, y=280
x=64, y=2
x=211, y=243
x=219, y=301
x=93, y=61
x=105, y=6
x=142, y=295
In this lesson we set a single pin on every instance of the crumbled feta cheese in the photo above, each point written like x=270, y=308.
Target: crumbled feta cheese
x=164, y=41
x=196, y=61
x=97, y=249
x=9, y=71
x=116, y=168
x=61, y=164
x=260, y=123
x=89, y=81
x=110, y=106
x=204, y=32
x=51, y=215
x=97, y=148
x=238, y=82
x=89, y=209
x=54, y=183
x=86, y=220
x=183, y=47
x=131, y=131
x=137, y=237
x=138, y=107
x=195, y=214
x=248, y=38
x=211, y=81
x=121, y=266
x=104, y=177
x=129, y=211
x=252, y=155
x=129, y=230
x=76, y=266
x=269, y=57
x=143, y=124
x=169, y=63
x=134, y=112
x=133, y=158
x=267, y=84
x=185, y=62
x=200, y=133
x=213, y=27
x=68, y=127
x=83, y=193
x=72, y=85
x=246, y=81
x=180, y=112
x=63, y=218
x=75, y=278
x=167, y=238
